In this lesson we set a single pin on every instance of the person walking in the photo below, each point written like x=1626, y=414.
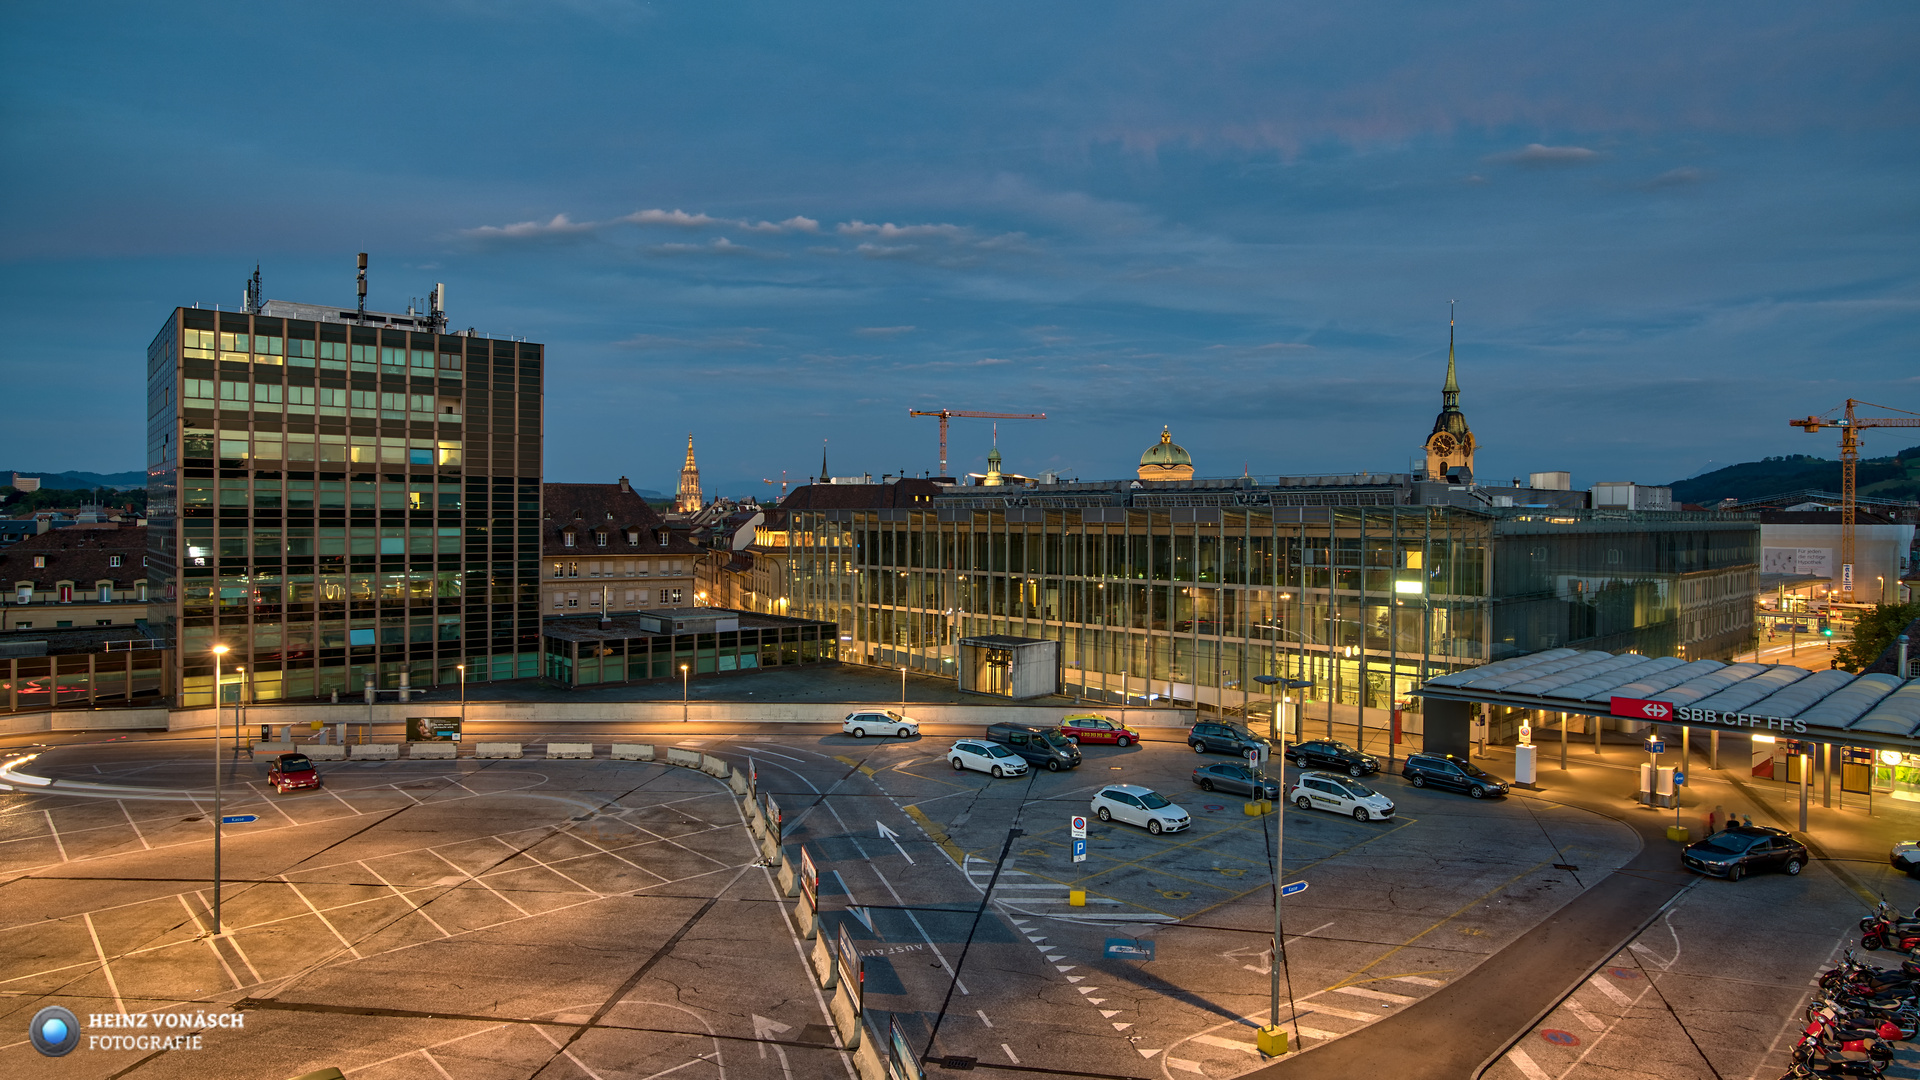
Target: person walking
x=1713, y=816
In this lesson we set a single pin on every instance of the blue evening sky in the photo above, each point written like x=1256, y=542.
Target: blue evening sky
x=1669, y=227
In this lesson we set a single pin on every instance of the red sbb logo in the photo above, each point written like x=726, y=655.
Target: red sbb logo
x=1641, y=708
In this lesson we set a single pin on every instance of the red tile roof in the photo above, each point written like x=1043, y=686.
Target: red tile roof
x=898, y=495
x=83, y=556
x=584, y=509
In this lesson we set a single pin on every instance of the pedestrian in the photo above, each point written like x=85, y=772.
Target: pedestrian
x=1713, y=816
x=1747, y=820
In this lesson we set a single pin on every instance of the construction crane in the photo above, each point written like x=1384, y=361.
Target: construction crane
x=943, y=414
x=783, y=482
x=1850, y=426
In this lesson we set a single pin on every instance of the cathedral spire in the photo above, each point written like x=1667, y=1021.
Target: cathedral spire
x=1452, y=388
x=1451, y=445
x=687, y=500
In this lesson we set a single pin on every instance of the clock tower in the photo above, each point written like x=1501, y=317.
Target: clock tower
x=1450, y=447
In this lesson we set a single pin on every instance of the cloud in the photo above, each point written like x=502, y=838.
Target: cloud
x=718, y=246
x=559, y=226
x=1535, y=155
x=711, y=342
x=1685, y=176
x=1271, y=346
x=796, y=223
x=677, y=218
x=890, y=231
x=882, y=331
x=888, y=251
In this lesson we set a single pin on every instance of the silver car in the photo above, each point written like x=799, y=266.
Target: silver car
x=986, y=757
x=881, y=722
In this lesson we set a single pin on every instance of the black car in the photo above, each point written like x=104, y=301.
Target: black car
x=1225, y=776
x=1453, y=772
x=1041, y=746
x=1338, y=756
x=1743, y=849
x=1213, y=737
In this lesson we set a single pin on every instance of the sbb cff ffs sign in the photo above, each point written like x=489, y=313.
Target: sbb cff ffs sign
x=1641, y=709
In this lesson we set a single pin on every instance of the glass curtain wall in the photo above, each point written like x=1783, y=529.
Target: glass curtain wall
x=1182, y=603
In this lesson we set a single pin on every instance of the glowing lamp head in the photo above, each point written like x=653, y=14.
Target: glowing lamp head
x=219, y=650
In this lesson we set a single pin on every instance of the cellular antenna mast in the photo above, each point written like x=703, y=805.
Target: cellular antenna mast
x=250, y=299
x=437, y=306
x=363, y=284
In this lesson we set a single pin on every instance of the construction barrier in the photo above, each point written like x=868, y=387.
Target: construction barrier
x=846, y=1019
x=738, y=782
x=496, y=750
x=825, y=971
x=715, y=767
x=374, y=751
x=628, y=751
x=571, y=750
x=273, y=749
x=770, y=848
x=325, y=752
x=686, y=759
x=806, y=920
x=433, y=751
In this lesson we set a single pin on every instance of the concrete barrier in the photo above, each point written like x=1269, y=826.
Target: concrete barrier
x=787, y=878
x=325, y=752
x=433, y=751
x=738, y=782
x=806, y=921
x=866, y=1061
x=569, y=750
x=770, y=849
x=846, y=1019
x=374, y=751
x=630, y=751
x=496, y=750
x=825, y=971
x=687, y=759
x=272, y=749
x=715, y=767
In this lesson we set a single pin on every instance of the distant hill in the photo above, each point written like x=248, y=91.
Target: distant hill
x=76, y=481
x=1895, y=477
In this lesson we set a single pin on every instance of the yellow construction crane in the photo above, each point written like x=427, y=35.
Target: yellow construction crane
x=1849, y=426
x=944, y=413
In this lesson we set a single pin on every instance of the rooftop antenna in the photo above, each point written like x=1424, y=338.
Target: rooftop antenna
x=250, y=299
x=363, y=284
x=437, y=306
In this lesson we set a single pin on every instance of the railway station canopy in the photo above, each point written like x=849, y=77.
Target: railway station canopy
x=1877, y=710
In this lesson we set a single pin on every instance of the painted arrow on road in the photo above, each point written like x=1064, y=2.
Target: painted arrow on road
x=889, y=834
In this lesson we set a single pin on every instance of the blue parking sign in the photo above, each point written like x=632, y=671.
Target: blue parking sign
x=1080, y=849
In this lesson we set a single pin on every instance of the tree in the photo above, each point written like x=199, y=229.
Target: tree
x=1873, y=633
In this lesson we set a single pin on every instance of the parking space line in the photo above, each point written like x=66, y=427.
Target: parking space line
x=417, y=910
x=566, y=1053
x=1526, y=1066
x=1374, y=995
x=528, y=853
x=135, y=825
x=478, y=881
x=328, y=922
x=105, y=968
x=58, y=846
x=436, y=1065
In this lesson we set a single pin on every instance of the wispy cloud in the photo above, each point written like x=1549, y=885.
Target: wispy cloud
x=890, y=231
x=1536, y=155
x=558, y=226
x=676, y=218
x=741, y=339
x=883, y=331
x=796, y=223
x=1685, y=176
x=719, y=245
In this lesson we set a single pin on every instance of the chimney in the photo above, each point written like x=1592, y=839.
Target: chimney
x=625, y=488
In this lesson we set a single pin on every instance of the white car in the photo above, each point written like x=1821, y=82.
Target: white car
x=1340, y=794
x=1137, y=805
x=987, y=757
x=885, y=722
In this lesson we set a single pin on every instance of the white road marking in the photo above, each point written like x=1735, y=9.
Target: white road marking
x=1010, y=1056
x=1606, y=987
x=1228, y=1044
x=1375, y=995
x=1185, y=1066
x=982, y=1013
x=1526, y=1066
x=1418, y=980
x=136, y=827
x=58, y=846
x=1581, y=1014
x=1344, y=1014
x=436, y=1065
x=112, y=984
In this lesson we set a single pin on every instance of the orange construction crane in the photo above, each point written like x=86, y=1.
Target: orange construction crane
x=943, y=414
x=1849, y=426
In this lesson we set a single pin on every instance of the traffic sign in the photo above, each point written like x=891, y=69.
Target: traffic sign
x=236, y=819
x=1679, y=778
x=1080, y=850
x=1080, y=825
x=1253, y=757
x=1129, y=948
x=1293, y=887
x=1640, y=708
x=1656, y=746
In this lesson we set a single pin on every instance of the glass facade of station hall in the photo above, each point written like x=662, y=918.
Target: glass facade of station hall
x=1194, y=602
x=338, y=497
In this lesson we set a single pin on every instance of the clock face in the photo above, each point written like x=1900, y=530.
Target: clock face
x=1442, y=444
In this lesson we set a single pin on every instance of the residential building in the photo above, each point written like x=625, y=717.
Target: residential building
x=645, y=645
x=342, y=496
x=81, y=576
x=602, y=542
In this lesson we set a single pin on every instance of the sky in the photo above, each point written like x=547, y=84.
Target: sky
x=1667, y=228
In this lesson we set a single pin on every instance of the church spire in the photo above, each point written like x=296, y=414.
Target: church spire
x=687, y=500
x=1451, y=391
x=1451, y=445
x=825, y=476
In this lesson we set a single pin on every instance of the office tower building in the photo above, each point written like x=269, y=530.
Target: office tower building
x=341, y=496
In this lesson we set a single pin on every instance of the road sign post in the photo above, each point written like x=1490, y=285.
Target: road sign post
x=1080, y=849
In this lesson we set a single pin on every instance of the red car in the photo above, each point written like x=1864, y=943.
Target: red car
x=1095, y=728
x=290, y=772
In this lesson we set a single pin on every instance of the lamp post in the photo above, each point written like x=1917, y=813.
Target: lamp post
x=219, y=807
x=462, y=668
x=683, y=693
x=903, y=690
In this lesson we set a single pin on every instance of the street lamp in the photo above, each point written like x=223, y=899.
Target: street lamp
x=903, y=690
x=463, y=697
x=683, y=693
x=219, y=807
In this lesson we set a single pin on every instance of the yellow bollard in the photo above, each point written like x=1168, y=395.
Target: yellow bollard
x=1076, y=898
x=1678, y=833
x=1272, y=1041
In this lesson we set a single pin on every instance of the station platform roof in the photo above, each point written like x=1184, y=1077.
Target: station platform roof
x=1877, y=711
